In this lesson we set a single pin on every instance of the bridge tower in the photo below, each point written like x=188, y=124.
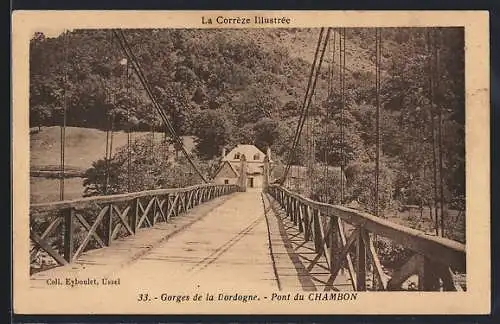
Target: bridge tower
x=243, y=173
x=265, y=182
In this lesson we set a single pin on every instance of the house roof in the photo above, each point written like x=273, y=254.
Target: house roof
x=250, y=151
x=235, y=170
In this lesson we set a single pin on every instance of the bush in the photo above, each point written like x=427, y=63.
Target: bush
x=151, y=167
x=361, y=184
x=391, y=255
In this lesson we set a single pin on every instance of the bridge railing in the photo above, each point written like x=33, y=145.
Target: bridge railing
x=61, y=231
x=346, y=238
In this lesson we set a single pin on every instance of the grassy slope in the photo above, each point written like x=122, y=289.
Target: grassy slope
x=46, y=190
x=83, y=145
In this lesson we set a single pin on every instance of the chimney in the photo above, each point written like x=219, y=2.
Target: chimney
x=268, y=154
x=223, y=152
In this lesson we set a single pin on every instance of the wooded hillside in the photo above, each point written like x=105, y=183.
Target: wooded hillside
x=247, y=86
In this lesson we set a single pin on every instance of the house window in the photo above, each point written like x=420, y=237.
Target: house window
x=237, y=156
x=226, y=181
x=256, y=157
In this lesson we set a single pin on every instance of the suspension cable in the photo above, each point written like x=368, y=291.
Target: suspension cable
x=129, y=126
x=430, y=49
x=378, y=46
x=305, y=109
x=312, y=120
x=106, y=159
x=140, y=74
x=112, y=127
x=326, y=120
x=303, y=115
x=152, y=148
x=109, y=102
x=437, y=49
x=342, y=107
x=63, y=127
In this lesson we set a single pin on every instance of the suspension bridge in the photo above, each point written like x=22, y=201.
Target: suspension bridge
x=235, y=236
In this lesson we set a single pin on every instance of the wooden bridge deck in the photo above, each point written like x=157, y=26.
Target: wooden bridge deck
x=226, y=243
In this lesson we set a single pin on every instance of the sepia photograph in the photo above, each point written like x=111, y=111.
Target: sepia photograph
x=279, y=165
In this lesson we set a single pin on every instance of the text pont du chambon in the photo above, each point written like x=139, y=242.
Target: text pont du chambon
x=243, y=298
x=257, y=20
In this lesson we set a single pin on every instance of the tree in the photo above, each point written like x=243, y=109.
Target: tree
x=257, y=103
x=40, y=115
x=267, y=132
x=326, y=184
x=361, y=184
x=329, y=145
x=103, y=178
x=213, y=131
x=175, y=101
x=243, y=135
x=150, y=168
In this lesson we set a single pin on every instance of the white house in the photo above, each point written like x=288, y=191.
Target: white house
x=248, y=156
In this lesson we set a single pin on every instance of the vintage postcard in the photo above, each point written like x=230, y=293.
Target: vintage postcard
x=251, y=162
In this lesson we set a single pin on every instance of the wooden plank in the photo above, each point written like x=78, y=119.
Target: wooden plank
x=87, y=226
x=183, y=202
x=294, y=212
x=175, y=205
x=324, y=238
x=307, y=223
x=43, y=244
x=201, y=192
x=343, y=241
x=317, y=231
x=155, y=210
x=140, y=208
x=52, y=226
x=343, y=255
x=377, y=266
x=145, y=212
x=190, y=200
x=301, y=216
x=135, y=215
x=160, y=208
x=123, y=222
x=334, y=246
x=91, y=231
x=68, y=235
x=361, y=261
x=108, y=225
